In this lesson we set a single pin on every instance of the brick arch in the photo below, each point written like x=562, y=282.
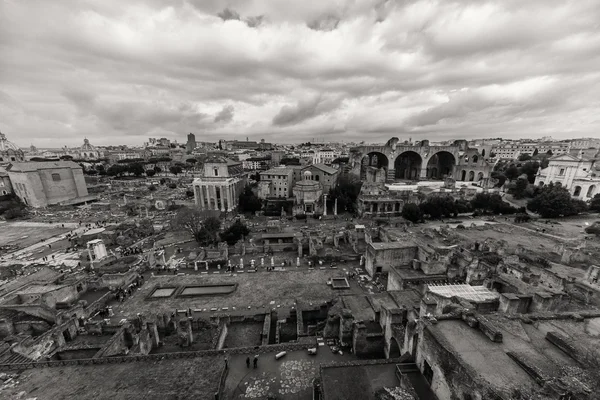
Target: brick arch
x=440, y=164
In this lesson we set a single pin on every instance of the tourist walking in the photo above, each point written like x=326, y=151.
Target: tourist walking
x=256, y=361
x=248, y=362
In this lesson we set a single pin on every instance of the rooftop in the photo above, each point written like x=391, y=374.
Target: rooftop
x=278, y=171
x=467, y=292
x=324, y=168
x=489, y=362
x=359, y=381
x=391, y=245
x=37, y=165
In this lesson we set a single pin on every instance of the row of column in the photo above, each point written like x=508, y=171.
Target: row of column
x=382, y=207
x=227, y=192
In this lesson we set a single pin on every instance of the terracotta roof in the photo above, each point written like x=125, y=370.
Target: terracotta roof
x=37, y=165
x=324, y=168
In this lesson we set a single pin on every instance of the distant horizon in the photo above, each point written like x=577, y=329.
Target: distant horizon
x=295, y=143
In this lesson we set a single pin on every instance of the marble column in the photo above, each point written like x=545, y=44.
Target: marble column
x=222, y=195
x=335, y=207
x=210, y=196
x=229, y=198
x=200, y=197
x=324, y=204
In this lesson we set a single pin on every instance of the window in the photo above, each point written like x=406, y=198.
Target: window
x=56, y=177
x=216, y=171
x=12, y=159
x=562, y=172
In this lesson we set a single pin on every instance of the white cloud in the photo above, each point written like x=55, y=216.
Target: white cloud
x=117, y=72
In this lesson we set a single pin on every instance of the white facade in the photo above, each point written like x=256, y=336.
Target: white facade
x=514, y=150
x=579, y=175
x=220, y=186
x=325, y=156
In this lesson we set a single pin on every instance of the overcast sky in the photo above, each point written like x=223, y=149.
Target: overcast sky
x=120, y=71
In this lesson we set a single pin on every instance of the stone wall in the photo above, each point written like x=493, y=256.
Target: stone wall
x=157, y=357
x=115, y=346
x=451, y=379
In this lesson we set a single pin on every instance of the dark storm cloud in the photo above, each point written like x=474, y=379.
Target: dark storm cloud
x=326, y=23
x=225, y=115
x=305, y=110
x=229, y=14
x=416, y=67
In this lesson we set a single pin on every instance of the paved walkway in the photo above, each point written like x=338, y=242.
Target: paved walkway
x=290, y=377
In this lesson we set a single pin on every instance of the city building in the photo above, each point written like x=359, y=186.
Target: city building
x=256, y=163
x=276, y=182
x=585, y=143
x=221, y=184
x=40, y=184
x=512, y=150
x=191, y=143
x=581, y=176
x=277, y=156
x=85, y=152
x=324, y=174
x=127, y=154
x=9, y=152
x=325, y=156
x=308, y=195
x=5, y=185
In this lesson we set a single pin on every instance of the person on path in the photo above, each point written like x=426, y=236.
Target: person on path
x=256, y=361
x=247, y=362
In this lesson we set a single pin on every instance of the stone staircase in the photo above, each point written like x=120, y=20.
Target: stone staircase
x=14, y=358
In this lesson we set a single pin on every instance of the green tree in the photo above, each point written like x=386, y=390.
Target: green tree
x=136, y=169
x=175, y=169
x=150, y=173
x=555, y=201
x=116, y=170
x=530, y=169
x=203, y=225
x=438, y=207
x=595, y=203
x=346, y=192
x=500, y=176
x=492, y=203
x=249, y=202
x=512, y=172
x=290, y=161
x=520, y=188
x=235, y=233
x=524, y=157
x=411, y=212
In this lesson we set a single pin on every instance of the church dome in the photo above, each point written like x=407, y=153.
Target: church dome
x=87, y=146
x=5, y=145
